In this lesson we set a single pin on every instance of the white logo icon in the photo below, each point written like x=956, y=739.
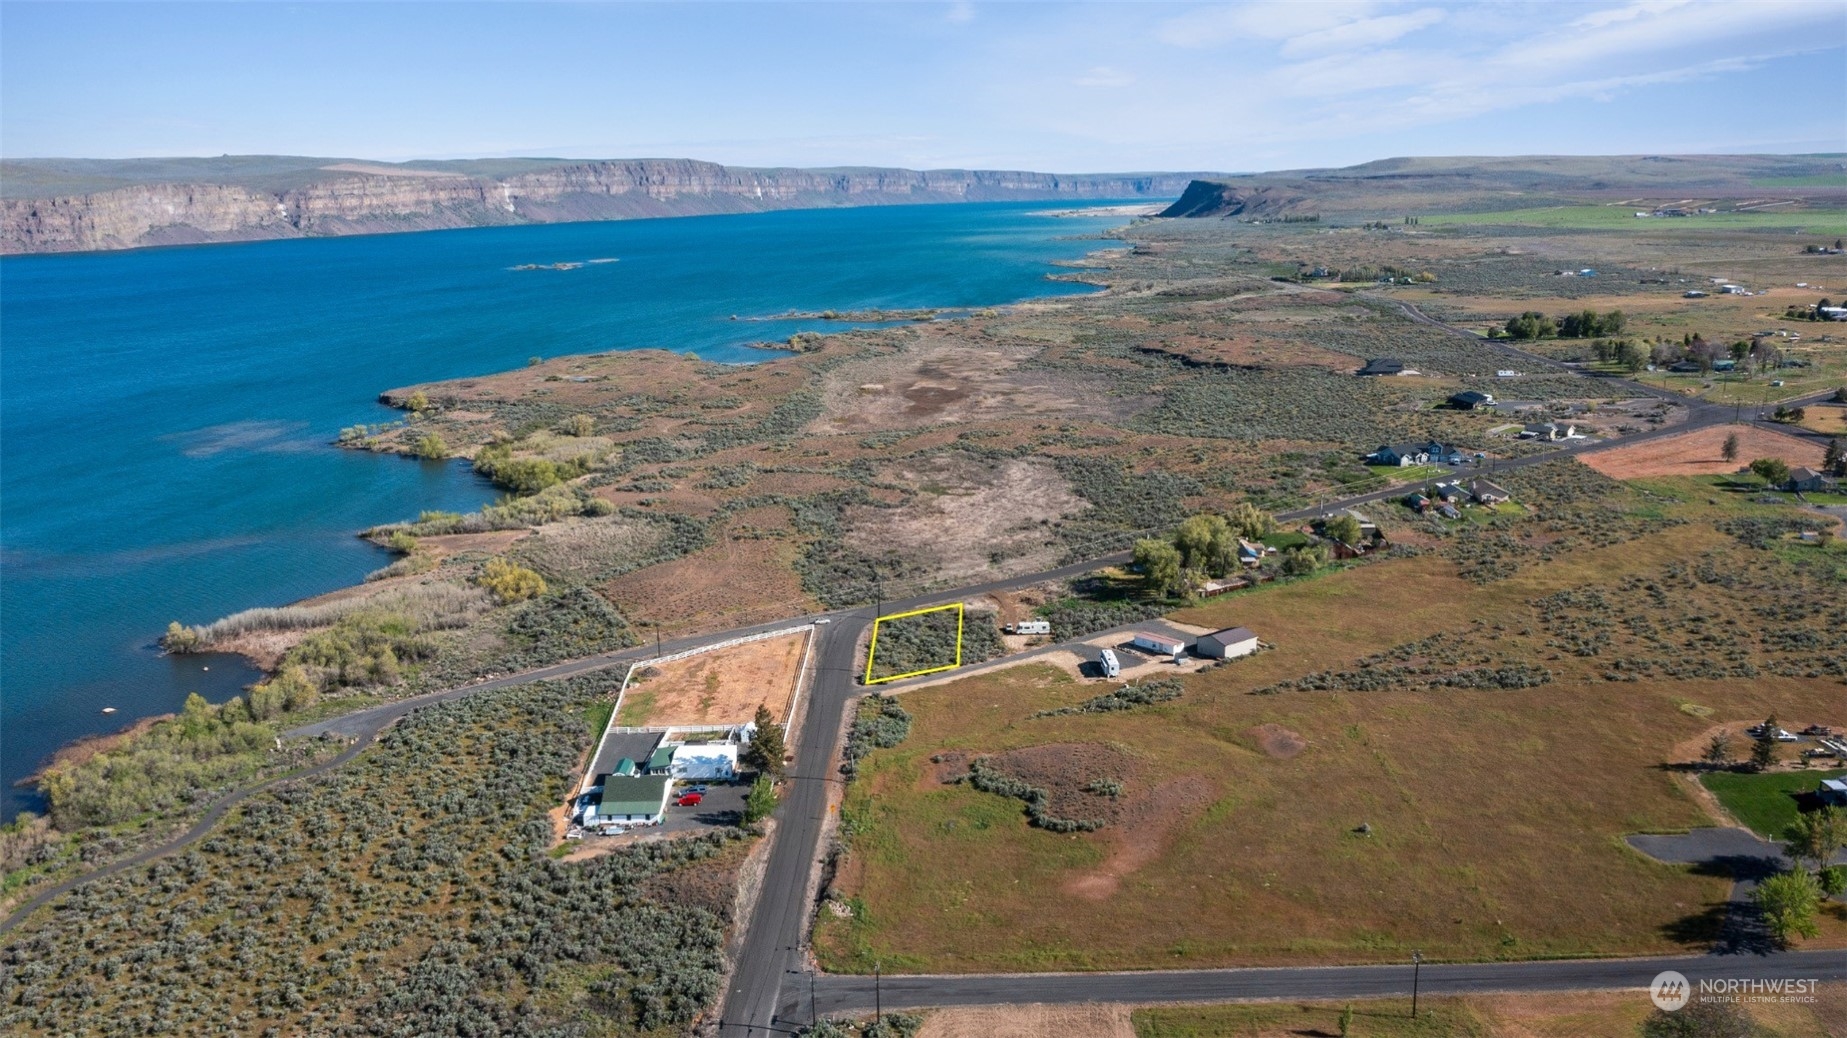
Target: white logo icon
x=1669, y=991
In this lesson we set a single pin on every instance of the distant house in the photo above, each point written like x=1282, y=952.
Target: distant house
x=1227, y=644
x=1404, y=455
x=1158, y=644
x=1449, y=492
x=1833, y=791
x=1693, y=293
x=1471, y=399
x=660, y=762
x=630, y=800
x=1803, y=478
x=1684, y=367
x=1417, y=502
x=1250, y=552
x=1549, y=431
x=1488, y=493
x=1383, y=366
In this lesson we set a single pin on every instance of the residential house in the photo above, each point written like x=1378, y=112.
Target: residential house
x=1227, y=644
x=1404, y=455
x=1383, y=366
x=1549, y=431
x=1471, y=400
x=1158, y=644
x=1417, y=502
x=1833, y=792
x=1250, y=553
x=1805, y=479
x=1488, y=493
x=1449, y=493
x=630, y=800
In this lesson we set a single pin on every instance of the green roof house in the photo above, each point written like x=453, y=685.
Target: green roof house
x=637, y=800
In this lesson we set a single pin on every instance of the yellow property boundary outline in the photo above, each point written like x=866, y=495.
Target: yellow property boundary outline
x=872, y=650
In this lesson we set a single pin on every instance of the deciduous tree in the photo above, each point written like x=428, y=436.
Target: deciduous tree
x=1816, y=836
x=1160, y=565
x=1788, y=902
x=1773, y=471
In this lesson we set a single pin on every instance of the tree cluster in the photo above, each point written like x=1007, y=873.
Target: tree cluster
x=1586, y=324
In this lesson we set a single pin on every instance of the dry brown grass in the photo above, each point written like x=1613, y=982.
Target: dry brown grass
x=1552, y=1014
x=724, y=686
x=1029, y=1021
x=1496, y=816
x=1699, y=453
x=746, y=576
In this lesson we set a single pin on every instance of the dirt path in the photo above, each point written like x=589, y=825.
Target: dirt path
x=1030, y=1021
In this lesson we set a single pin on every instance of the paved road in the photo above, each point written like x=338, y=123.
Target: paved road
x=844, y=994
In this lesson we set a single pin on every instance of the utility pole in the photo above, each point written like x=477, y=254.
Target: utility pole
x=813, y=1019
x=1417, y=961
x=878, y=999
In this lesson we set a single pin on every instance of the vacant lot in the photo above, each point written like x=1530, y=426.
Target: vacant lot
x=1701, y=452
x=1349, y=823
x=724, y=686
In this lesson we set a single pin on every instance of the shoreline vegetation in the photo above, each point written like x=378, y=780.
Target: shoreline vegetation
x=649, y=492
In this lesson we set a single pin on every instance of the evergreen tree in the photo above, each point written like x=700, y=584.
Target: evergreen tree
x=766, y=749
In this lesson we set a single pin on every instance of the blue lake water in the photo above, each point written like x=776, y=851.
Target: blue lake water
x=165, y=414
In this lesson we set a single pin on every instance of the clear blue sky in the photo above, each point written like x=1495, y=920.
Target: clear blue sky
x=1010, y=85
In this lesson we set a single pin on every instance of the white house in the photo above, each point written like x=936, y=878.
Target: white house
x=706, y=760
x=1158, y=644
x=1227, y=644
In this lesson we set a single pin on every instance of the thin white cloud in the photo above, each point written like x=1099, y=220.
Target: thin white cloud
x=1362, y=33
x=1105, y=76
x=961, y=13
x=1271, y=20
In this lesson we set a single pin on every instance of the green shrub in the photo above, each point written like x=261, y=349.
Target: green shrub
x=879, y=723
x=509, y=583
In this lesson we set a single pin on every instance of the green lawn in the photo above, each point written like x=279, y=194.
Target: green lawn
x=1764, y=802
x=596, y=716
x=1814, y=221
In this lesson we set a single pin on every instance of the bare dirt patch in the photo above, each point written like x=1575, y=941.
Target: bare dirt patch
x=940, y=377
x=1029, y=1021
x=1276, y=741
x=1151, y=819
x=724, y=686
x=1063, y=769
x=461, y=543
x=1700, y=452
x=971, y=512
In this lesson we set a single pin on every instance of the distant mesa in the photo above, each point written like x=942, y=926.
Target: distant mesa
x=76, y=205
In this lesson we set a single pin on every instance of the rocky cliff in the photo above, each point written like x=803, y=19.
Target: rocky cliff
x=365, y=198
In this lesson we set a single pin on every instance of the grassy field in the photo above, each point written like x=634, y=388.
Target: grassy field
x=1600, y=217
x=1493, y=819
x=1766, y=803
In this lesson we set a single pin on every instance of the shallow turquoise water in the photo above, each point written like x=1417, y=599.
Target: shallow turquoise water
x=165, y=414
